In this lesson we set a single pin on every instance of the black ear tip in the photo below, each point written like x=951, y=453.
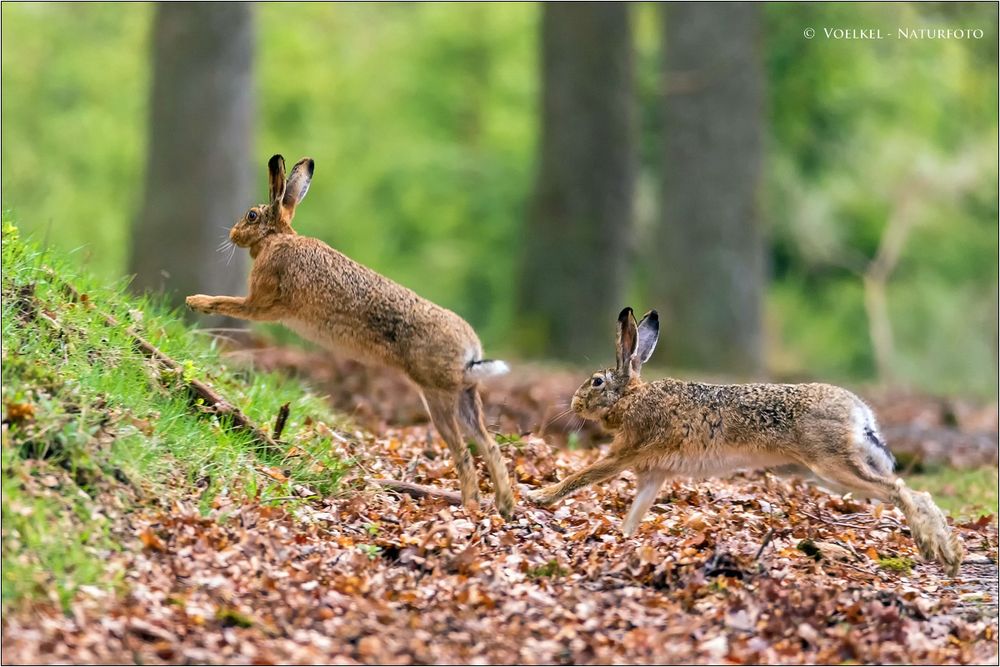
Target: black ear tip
x=275, y=161
x=310, y=165
x=624, y=315
x=653, y=316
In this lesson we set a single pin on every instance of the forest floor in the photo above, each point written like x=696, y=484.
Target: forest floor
x=746, y=570
x=140, y=526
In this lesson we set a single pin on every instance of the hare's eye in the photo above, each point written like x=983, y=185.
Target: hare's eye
x=597, y=382
x=252, y=216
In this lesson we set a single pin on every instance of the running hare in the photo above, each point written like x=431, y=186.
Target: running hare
x=334, y=301
x=669, y=428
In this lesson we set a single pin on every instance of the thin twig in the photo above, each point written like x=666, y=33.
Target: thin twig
x=852, y=566
x=832, y=522
x=767, y=540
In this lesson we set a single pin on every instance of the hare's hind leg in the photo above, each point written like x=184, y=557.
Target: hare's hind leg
x=443, y=409
x=470, y=409
x=647, y=488
x=928, y=526
x=596, y=472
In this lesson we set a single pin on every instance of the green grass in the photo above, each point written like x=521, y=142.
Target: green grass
x=91, y=424
x=965, y=494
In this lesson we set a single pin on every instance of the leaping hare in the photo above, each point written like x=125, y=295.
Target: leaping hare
x=672, y=428
x=332, y=300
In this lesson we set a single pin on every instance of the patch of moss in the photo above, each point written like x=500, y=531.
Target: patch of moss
x=809, y=548
x=230, y=617
x=550, y=569
x=896, y=564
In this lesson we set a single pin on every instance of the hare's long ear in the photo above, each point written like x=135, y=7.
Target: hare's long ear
x=627, y=338
x=648, y=333
x=276, y=178
x=298, y=183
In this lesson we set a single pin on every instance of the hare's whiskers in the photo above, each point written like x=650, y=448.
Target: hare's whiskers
x=224, y=245
x=552, y=419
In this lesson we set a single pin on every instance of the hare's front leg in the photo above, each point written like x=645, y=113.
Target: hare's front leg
x=647, y=488
x=596, y=472
x=242, y=308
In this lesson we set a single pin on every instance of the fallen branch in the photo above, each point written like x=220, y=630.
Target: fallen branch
x=199, y=389
x=419, y=490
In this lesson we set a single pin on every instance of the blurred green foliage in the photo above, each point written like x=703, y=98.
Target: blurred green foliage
x=863, y=131
x=423, y=121
x=965, y=494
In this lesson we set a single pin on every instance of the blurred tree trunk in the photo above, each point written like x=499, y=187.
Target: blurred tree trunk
x=708, y=261
x=199, y=172
x=575, y=261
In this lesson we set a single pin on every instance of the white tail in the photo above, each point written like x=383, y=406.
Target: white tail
x=487, y=368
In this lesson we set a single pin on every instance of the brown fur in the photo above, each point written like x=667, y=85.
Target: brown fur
x=673, y=428
x=332, y=300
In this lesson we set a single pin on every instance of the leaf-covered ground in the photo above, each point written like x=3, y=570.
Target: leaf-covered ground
x=137, y=527
x=752, y=569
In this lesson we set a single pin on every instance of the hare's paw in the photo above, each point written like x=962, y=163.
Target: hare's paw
x=541, y=497
x=629, y=526
x=952, y=553
x=505, y=505
x=199, y=302
x=946, y=549
x=472, y=505
x=470, y=498
x=933, y=537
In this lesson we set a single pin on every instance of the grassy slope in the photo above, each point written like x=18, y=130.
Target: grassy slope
x=86, y=416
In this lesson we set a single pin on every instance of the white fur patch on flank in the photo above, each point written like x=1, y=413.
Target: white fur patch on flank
x=481, y=370
x=869, y=440
x=859, y=420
